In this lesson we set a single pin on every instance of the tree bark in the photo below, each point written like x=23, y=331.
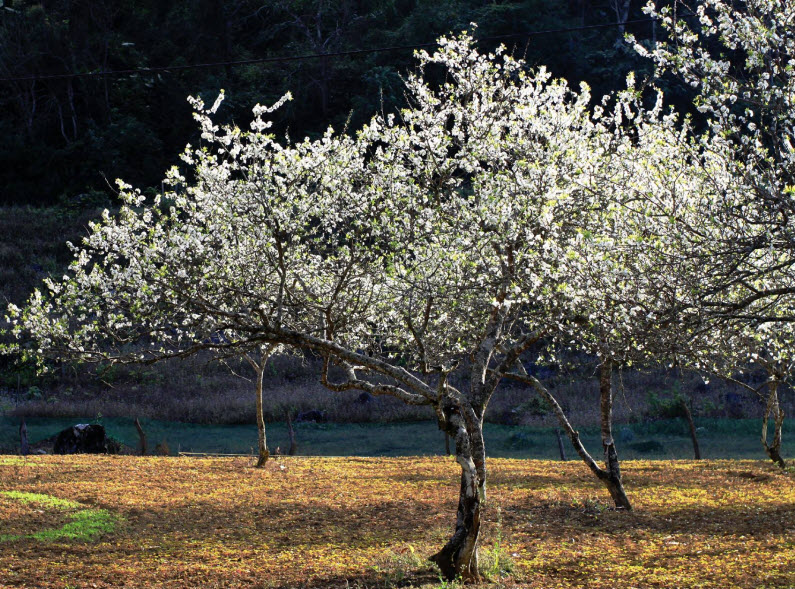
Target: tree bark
x=262, y=442
x=23, y=439
x=561, y=449
x=692, y=425
x=141, y=437
x=612, y=473
x=459, y=557
x=773, y=408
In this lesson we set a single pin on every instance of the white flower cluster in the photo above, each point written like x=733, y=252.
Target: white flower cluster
x=500, y=211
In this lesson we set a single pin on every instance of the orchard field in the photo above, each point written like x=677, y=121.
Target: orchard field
x=120, y=521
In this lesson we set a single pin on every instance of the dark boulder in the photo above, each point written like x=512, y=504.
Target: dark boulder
x=312, y=415
x=81, y=439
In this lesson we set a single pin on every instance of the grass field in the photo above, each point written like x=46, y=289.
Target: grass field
x=663, y=439
x=371, y=522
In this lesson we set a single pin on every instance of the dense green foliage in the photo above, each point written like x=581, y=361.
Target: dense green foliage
x=84, y=129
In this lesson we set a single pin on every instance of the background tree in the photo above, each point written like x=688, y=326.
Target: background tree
x=737, y=59
x=622, y=265
x=738, y=307
x=735, y=348
x=132, y=125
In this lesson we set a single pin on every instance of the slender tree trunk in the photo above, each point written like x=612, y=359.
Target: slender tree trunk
x=262, y=442
x=259, y=368
x=459, y=557
x=561, y=449
x=692, y=425
x=773, y=408
x=612, y=480
x=23, y=438
x=141, y=437
x=291, y=434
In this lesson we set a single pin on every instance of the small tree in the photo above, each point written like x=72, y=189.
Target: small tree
x=624, y=264
x=258, y=363
x=743, y=346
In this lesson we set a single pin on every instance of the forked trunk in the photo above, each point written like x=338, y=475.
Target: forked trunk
x=773, y=408
x=611, y=476
x=459, y=557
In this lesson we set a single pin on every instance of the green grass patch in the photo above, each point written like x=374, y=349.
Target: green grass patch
x=41, y=499
x=12, y=460
x=87, y=523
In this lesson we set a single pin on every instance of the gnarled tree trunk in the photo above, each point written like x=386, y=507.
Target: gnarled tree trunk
x=773, y=408
x=459, y=557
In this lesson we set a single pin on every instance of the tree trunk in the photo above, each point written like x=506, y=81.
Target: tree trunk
x=291, y=434
x=621, y=8
x=459, y=557
x=608, y=477
x=141, y=437
x=262, y=442
x=612, y=474
x=259, y=368
x=561, y=449
x=23, y=439
x=773, y=408
x=692, y=425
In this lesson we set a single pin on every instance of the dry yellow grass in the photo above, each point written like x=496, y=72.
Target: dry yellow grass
x=329, y=522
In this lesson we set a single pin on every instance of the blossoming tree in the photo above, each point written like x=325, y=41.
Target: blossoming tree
x=428, y=243
x=739, y=61
x=625, y=262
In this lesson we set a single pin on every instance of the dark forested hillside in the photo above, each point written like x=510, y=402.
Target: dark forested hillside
x=64, y=135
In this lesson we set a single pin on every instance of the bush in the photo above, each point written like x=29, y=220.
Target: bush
x=647, y=447
x=665, y=407
x=519, y=441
